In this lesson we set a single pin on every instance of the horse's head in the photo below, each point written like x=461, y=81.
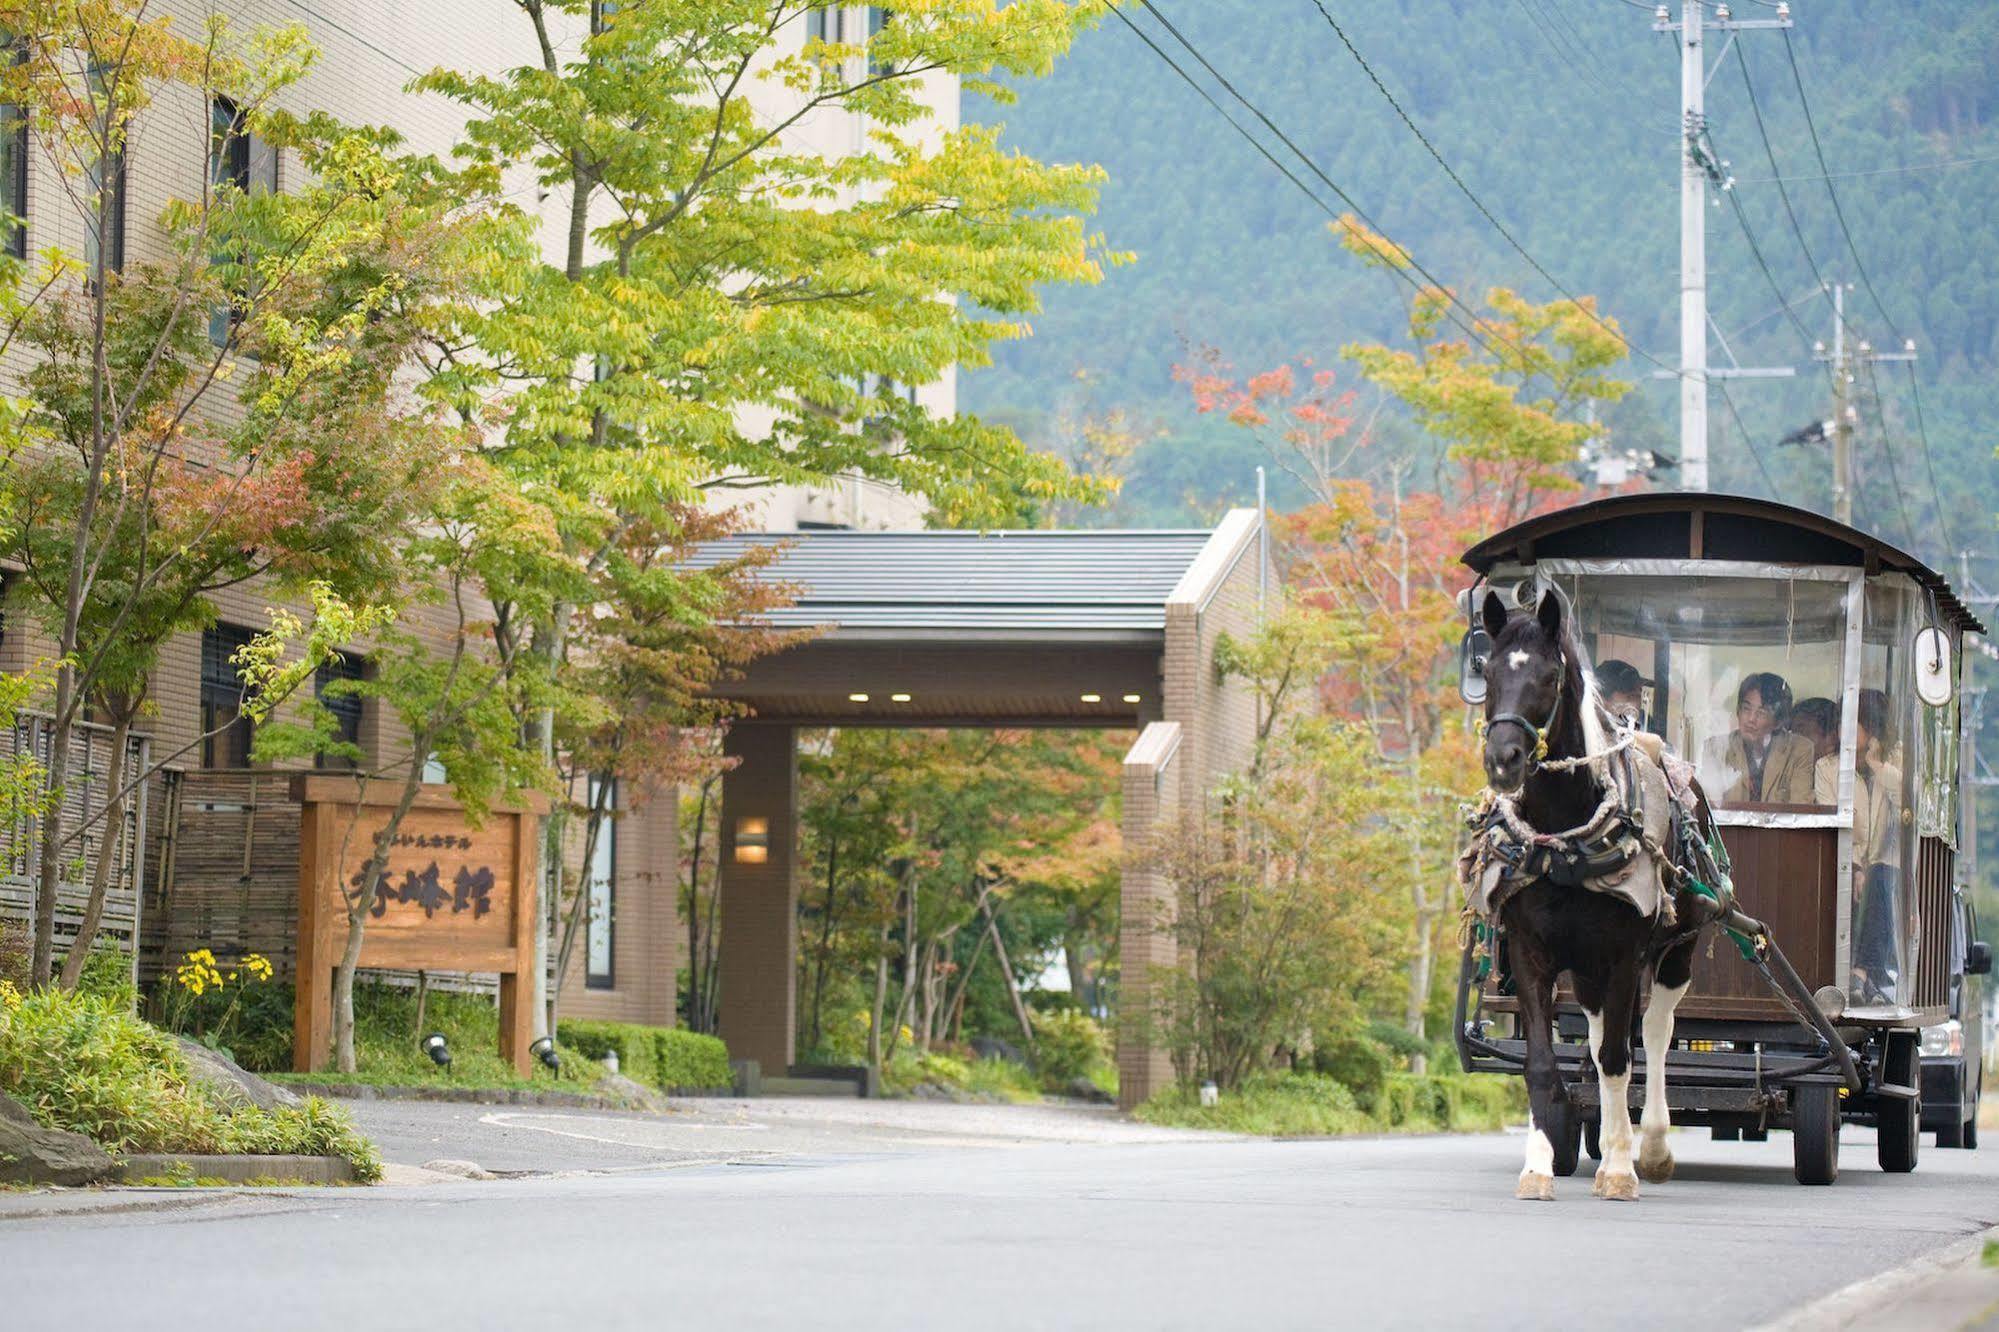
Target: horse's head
x=1525, y=681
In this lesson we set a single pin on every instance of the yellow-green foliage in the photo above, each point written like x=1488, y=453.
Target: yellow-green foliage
x=80, y=1062
x=670, y=1058
x=1313, y=1105
x=1002, y=1079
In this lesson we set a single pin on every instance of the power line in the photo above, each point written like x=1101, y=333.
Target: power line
x=1562, y=48
x=1393, y=261
x=1776, y=173
x=1929, y=457
x=1945, y=165
x=1888, y=447
x=1798, y=78
x=1477, y=202
x=1748, y=443
x=1742, y=220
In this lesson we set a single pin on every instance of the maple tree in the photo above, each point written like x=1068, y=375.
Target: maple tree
x=227, y=410
x=1371, y=561
x=733, y=305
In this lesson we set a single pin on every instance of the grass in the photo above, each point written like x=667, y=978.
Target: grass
x=992, y=1079
x=387, y=1051
x=82, y=1062
x=1991, y=1255
x=1313, y=1105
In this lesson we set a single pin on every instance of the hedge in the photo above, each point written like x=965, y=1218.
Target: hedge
x=670, y=1058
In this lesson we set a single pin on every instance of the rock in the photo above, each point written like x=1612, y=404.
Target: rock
x=632, y=1095
x=237, y=1088
x=31, y=1154
x=1083, y=1089
x=462, y=1169
x=992, y=1047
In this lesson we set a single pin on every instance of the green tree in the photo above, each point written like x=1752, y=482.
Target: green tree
x=223, y=413
x=731, y=308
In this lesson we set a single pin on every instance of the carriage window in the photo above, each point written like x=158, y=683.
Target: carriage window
x=1741, y=675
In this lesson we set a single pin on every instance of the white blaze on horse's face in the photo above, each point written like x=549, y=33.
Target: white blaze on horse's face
x=1516, y=659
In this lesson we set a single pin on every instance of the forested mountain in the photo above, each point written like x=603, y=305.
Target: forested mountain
x=1563, y=116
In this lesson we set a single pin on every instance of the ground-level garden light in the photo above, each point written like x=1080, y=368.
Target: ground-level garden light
x=543, y=1049
x=438, y=1049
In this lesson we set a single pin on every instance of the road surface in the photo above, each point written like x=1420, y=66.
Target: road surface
x=738, y=1215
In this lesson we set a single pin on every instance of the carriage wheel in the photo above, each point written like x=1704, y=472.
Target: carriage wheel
x=1815, y=1132
x=1899, y=1123
x=1593, y=1138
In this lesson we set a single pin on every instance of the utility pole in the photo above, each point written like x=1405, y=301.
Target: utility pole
x=1699, y=168
x=1842, y=359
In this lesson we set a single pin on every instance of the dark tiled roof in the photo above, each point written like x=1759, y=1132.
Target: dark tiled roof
x=992, y=582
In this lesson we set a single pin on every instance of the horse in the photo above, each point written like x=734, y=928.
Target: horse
x=1542, y=707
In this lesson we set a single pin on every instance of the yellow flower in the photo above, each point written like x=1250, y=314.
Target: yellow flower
x=257, y=965
x=10, y=998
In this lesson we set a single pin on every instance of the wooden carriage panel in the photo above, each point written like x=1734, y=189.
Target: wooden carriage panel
x=1935, y=866
x=1788, y=879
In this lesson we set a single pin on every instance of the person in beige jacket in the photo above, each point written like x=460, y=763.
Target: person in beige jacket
x=1758, y=763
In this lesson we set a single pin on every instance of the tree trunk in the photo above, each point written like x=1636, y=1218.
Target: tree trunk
x=881, y=1003
x=1006, y=970
x=109, y=845
x=825, y=943
x=695, y=1012
x=357, y=916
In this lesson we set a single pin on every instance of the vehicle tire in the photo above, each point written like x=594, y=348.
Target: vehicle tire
x=1566, y=1136
x=1593, y=1138
x=1899, y=1124
x=1815, y=1133
x=1756, y=1135
x=1951, y=1136
x=1971, y=1124
x=1726, y=1133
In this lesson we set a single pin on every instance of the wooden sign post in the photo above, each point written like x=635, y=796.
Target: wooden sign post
x=452, y=898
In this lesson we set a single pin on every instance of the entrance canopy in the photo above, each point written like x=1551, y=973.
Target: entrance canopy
x=968, y=628
x=1111, y=629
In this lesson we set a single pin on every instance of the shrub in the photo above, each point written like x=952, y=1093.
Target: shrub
x=80, y=1062
x=1358, y=1063
x=691, y=1060
x=1277, y=1104
x=1068, y=1044
x=670, y=1058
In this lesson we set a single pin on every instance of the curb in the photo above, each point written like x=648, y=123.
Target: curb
x=352, y=1091
x=1872, y=1301
x=237, y=1169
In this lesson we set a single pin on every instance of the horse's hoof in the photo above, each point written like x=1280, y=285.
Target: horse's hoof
x=1616, y=1188
x=1655, y=1169
x=1535, y=1188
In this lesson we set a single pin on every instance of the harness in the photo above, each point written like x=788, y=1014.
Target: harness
x=1537, y=736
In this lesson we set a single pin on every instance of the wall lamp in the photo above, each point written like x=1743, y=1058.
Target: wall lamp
x=752, y=841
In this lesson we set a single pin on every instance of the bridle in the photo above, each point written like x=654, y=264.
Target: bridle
x=1537, y=736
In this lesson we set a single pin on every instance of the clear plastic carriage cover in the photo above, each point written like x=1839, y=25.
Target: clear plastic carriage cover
x=1748, y=677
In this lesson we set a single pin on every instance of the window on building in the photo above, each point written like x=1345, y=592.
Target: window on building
x=240, y=160
x=878, y=18
x=599, y=972
x=14, y=175
x=823, y=24
x=225, y=731
x=345, y=706
x=104, y=196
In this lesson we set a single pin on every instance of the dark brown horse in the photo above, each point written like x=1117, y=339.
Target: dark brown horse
x=1541, y=707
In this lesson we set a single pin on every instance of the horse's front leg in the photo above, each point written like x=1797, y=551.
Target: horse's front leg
x=1545, y=1095
x=1609, y=1003
x=1669, y=986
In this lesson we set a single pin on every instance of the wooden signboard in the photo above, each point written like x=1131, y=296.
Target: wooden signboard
x=452, y=898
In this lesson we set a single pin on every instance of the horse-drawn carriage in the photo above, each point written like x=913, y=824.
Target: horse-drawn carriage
x=1809, y=674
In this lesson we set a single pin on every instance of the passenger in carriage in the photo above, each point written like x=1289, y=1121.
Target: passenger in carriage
x=1877, y=847
x=1758, y=762
x=1817, y=720
x=1623, y=691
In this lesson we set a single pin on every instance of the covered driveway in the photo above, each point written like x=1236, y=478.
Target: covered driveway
x=928, y=629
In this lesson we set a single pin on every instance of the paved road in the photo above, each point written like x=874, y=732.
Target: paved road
x=927, y=1217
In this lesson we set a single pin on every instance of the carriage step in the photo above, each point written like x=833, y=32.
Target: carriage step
x=1894, y=1091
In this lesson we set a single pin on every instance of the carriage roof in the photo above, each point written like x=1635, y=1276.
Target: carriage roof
x=1696, y=526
